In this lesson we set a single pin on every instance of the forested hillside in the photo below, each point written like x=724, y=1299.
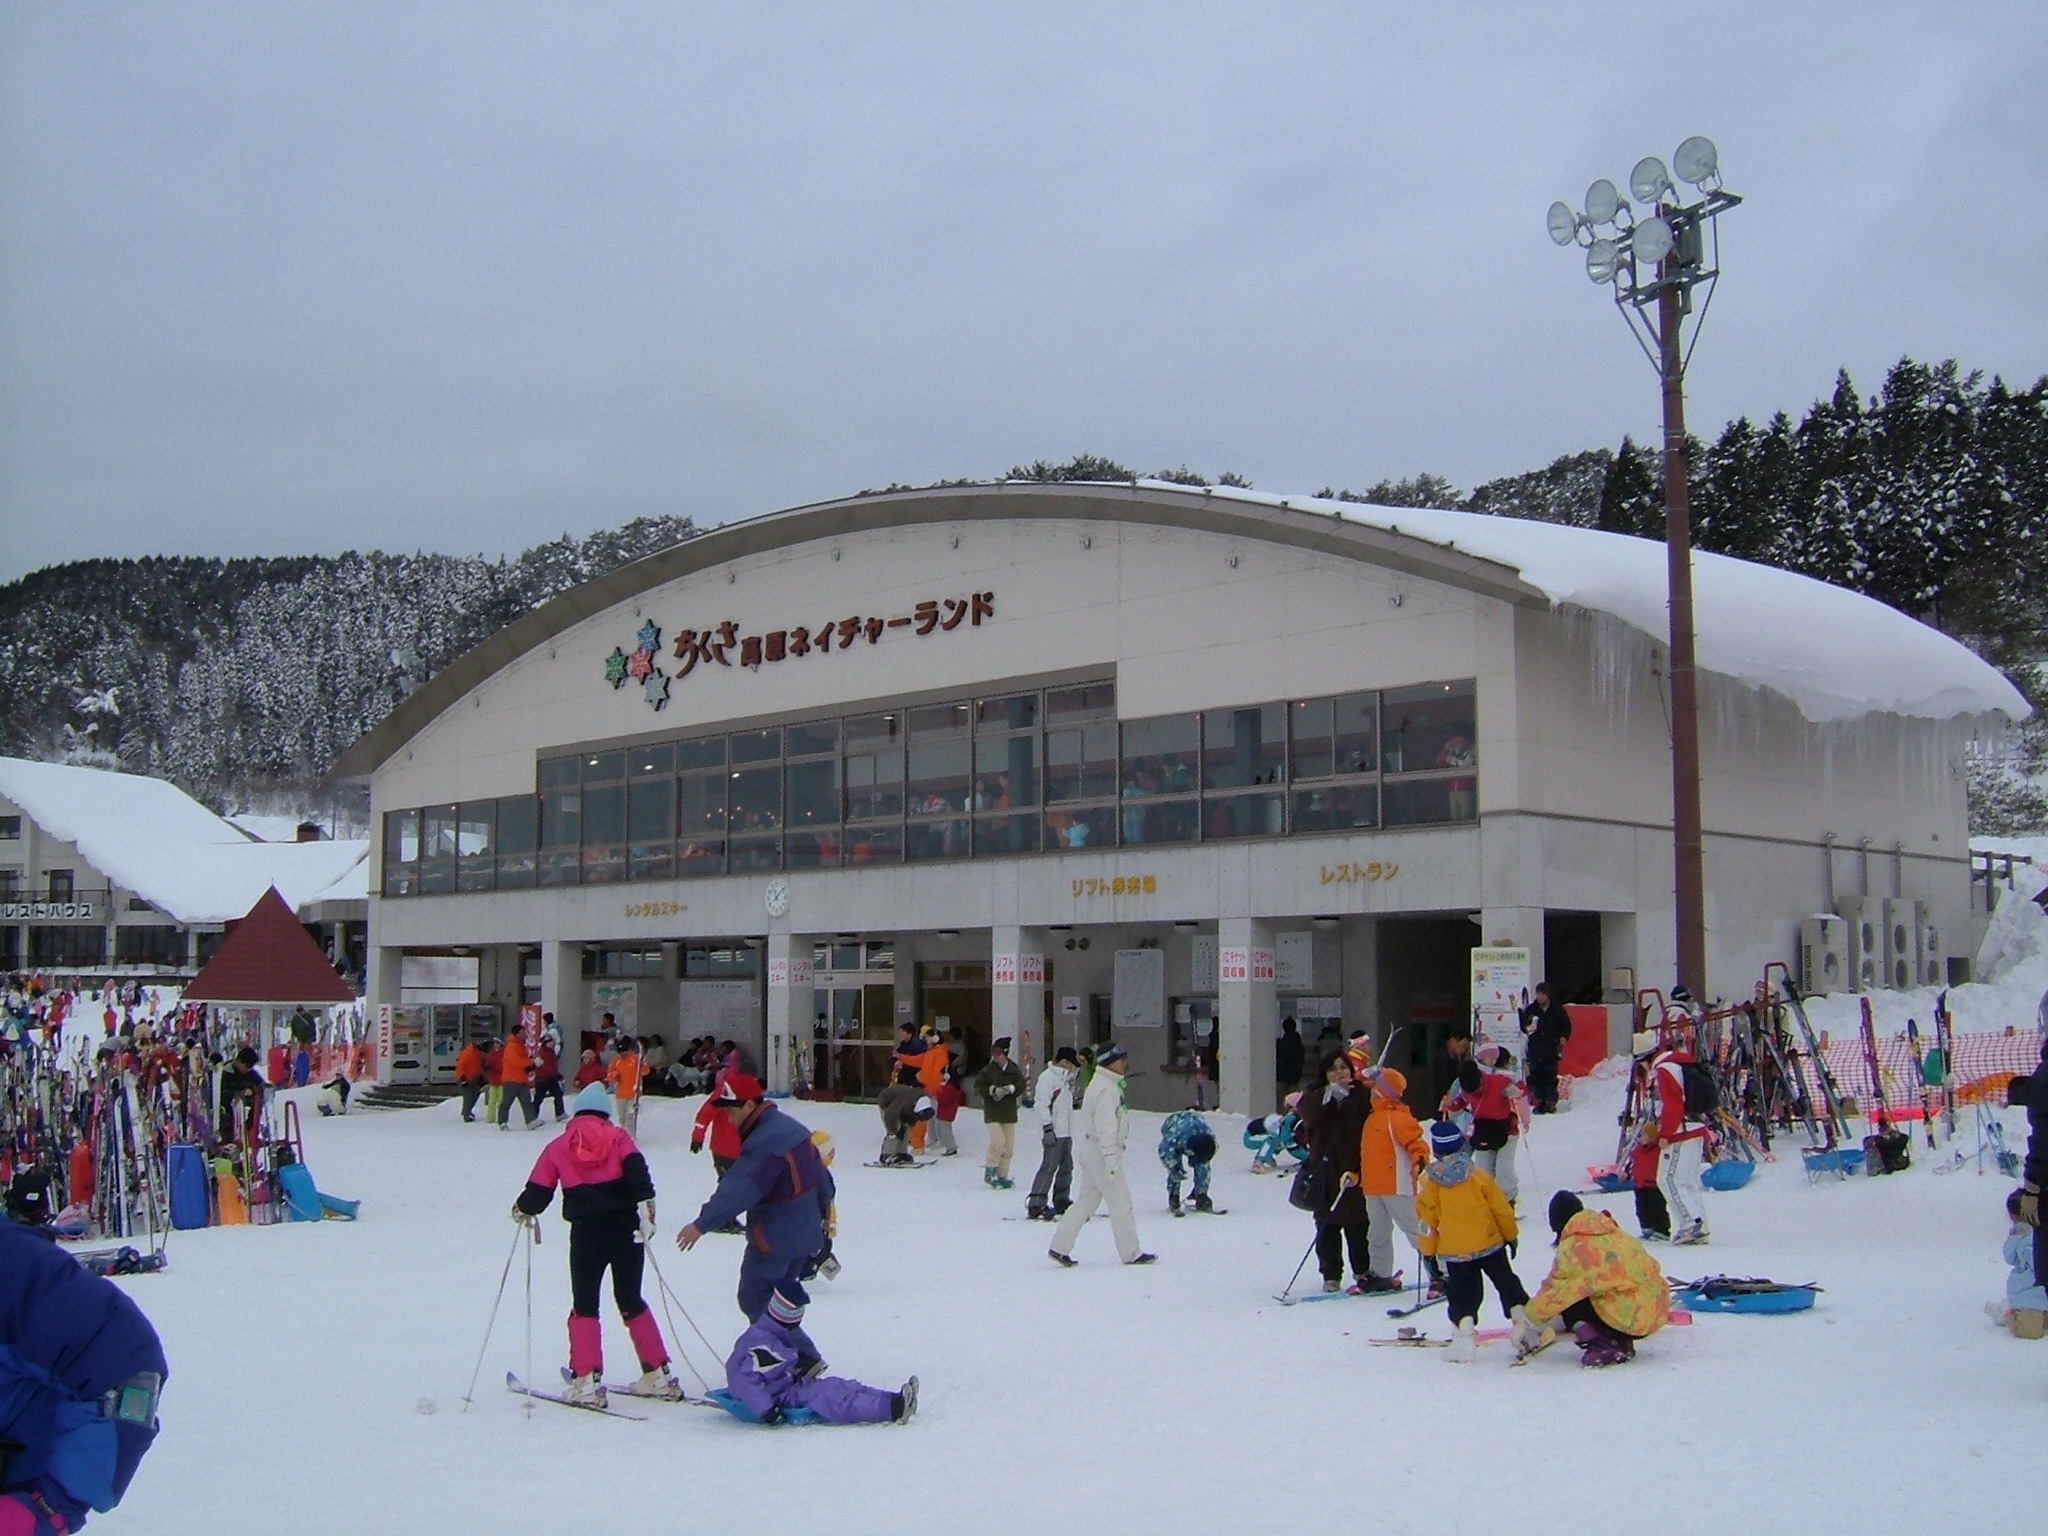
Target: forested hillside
x=243, y=679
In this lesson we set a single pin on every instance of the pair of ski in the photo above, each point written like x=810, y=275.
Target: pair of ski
x=1408, y=1311
x=519, y=1388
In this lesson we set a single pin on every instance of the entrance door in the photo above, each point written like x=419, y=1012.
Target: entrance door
x=1425, y=977
x=958, y=993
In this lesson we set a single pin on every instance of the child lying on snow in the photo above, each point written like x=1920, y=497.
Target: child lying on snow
x=774, y=1368
x=2025, y=1308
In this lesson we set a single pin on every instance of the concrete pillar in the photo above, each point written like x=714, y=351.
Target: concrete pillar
x=1017, y=992
x=1248, y=1006
x=1515, y=926
x=791, y=1006
x=563, y=993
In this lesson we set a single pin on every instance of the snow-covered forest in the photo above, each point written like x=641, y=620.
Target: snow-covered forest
x=243, y=679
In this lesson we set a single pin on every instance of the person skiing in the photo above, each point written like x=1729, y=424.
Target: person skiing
x=1333, y=1113
x=1392, y=1154
x=782, y=1185
x=81, y=1370
x=1186, y=1143
x=1489, y=1091
x=1547, y=1027
x=897, y=1105
x=608, y=1201
x=1603, y=1285
x=1001, y=1084
x=1104, y=1126
x=1052, y=1186
x=1680, y=1142
x=774, y=1367
x=1466, y=1223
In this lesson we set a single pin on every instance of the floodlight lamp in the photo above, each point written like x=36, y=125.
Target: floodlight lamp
x=1696, y=160
x=1649, y=181
x=1603, y=260
x=1563, y=223
x=1603, y=202
x=1651, y=240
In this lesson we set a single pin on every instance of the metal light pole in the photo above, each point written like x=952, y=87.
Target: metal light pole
x=1658, y=260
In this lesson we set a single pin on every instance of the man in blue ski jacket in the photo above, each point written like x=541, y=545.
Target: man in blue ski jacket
x=80, y=1370
x=779, y=1181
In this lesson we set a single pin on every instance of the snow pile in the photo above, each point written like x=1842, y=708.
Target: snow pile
x=1834, y=653
x=1174, y=1398
x=150, y=837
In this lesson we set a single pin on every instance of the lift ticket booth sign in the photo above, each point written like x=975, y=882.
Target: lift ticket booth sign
x=1500, y=990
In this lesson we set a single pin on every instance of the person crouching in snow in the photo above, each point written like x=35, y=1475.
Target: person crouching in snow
x=1187, y=1143
x=2025, y=1307
x=1603, y=1285
x=774, y=1368
x=608, y=1201
x=1466, y=1223
x=1267, y=1136
x=897, y=1105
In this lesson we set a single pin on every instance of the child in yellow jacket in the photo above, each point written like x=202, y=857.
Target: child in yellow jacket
x=1467, y=1224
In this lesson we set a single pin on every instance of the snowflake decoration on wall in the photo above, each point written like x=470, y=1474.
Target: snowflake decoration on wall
x=639, y=665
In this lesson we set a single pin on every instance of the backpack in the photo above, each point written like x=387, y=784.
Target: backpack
x=1702, y=1093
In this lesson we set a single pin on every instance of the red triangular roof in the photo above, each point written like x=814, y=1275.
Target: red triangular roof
x=268, y=958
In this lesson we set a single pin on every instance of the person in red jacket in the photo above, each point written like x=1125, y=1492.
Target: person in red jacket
x=589, y=1070
x=608, y=1201
x=469, y=1073
x=1489, y=1090
x=494, y=1077
x=1645, y=1159
x=725, y=1141
x=515, y=1071
x=1681, y=1143
x=547, y=1078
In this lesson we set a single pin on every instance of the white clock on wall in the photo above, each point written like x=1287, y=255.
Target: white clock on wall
x=776, y=898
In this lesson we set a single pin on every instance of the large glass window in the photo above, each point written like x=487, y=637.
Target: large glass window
x=476, y=823
x=998, y=777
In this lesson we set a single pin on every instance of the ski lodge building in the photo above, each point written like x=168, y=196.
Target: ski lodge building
x=115, y=875
x=1062, y=762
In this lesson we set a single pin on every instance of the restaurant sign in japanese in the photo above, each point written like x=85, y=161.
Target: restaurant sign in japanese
x=728, y=646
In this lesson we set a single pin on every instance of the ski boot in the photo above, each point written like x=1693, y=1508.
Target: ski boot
x=1173, y=1208
x=1064, y=1260
x=1375, y=1285
x=1464, y=1347
x=1694, y=1236
x=1002, y=1183
x=905, y=1405
x=1204, y=1203
x=988, y=1177
x=586, y=1390
x=1332, y=1284
x=658, y=1382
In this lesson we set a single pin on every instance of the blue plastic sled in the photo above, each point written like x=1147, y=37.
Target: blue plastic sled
x=191, y=1186
x=746, y=1415
x=1729, y=1173
x=1791, y=1298
x=304, y=1202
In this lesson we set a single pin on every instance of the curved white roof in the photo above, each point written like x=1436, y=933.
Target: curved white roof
x=1834, y=653
x=150, y=837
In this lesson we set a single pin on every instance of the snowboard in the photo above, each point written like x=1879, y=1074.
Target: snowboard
x=1189, y=1210
x=515, y=1385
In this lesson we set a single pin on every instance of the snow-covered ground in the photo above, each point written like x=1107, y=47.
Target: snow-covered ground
x=1167, y=1399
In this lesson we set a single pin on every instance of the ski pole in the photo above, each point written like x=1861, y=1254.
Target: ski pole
x=491, y=1322
x=1289, y=1287
x=531, y=1228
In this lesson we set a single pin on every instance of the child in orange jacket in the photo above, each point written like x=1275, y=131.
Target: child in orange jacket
x=1392, y=1154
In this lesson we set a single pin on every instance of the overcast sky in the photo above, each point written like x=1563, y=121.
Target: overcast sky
x=282, y=278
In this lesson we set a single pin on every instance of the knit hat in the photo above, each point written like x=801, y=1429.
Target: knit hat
x=593, y=1099
x=1066, y=1053
x=787, y=1310
x=1446, y=1139
x=738, y=1088
x=1002, y=1043
x=1110, y=1053
x=1643, y=1042
x=924, y=1108
x=1201, y=1147
x=1564, y=1205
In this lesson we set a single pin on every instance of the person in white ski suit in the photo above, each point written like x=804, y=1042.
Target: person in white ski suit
x=1101, y=1127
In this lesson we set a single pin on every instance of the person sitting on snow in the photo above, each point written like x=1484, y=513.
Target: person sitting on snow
x=1186, y=1142
x=1603, y=1285
x=2025, y=1307
x=774, y=1368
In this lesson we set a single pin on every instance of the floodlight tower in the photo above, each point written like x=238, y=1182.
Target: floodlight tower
x=1655, y=262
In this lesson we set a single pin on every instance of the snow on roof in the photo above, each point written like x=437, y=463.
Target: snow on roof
x=1834, y=653
x=150, y=837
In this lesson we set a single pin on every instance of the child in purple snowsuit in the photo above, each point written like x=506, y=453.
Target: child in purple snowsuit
x=766, y=1372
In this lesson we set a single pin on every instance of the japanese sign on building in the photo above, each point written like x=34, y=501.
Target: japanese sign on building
x=727, y=645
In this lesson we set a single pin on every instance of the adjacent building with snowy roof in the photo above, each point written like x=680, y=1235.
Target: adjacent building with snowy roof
x=106, y=873
x=1061, y=762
